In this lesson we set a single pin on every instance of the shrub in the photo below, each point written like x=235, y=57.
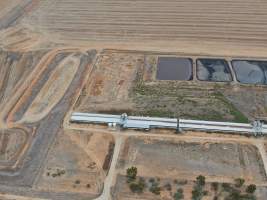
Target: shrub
x=251, y=189
x=151, y=180
x=179, y=194
x=168, y=187
x=201, y=180
x=198, y=192
x=155, y=188
x=239, y=182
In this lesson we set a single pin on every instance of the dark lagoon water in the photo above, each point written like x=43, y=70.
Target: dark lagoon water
x=250, y=72
x=173, y=68
x=216, y=70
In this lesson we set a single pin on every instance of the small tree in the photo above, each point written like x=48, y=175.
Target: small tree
x=251, y=189
x=179, y=194
x=201, y=180
x=131, y=174
x=198, y=192
x=239, y=182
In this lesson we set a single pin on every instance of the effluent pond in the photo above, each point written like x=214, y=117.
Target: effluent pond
x=173, y=68
x=216, y=70
x=250, y=72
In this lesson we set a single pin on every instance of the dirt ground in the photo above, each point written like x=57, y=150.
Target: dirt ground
x=36, y=90
x=58, y=84
x=220, y=161
x=6, y=6
x=108, y=87
x=177, y=161
x=71, y=165
x=12, y=143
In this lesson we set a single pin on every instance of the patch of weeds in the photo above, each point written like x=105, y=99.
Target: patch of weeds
x=238, y=116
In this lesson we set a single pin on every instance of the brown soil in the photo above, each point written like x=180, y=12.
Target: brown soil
x=71, y=165
x=108, y=87
x=217, y=161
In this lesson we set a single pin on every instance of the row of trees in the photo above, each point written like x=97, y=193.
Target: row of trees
x=234, y=191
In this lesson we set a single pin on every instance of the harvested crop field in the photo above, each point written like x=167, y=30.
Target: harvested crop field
x=215, y=24
x=221, y=162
